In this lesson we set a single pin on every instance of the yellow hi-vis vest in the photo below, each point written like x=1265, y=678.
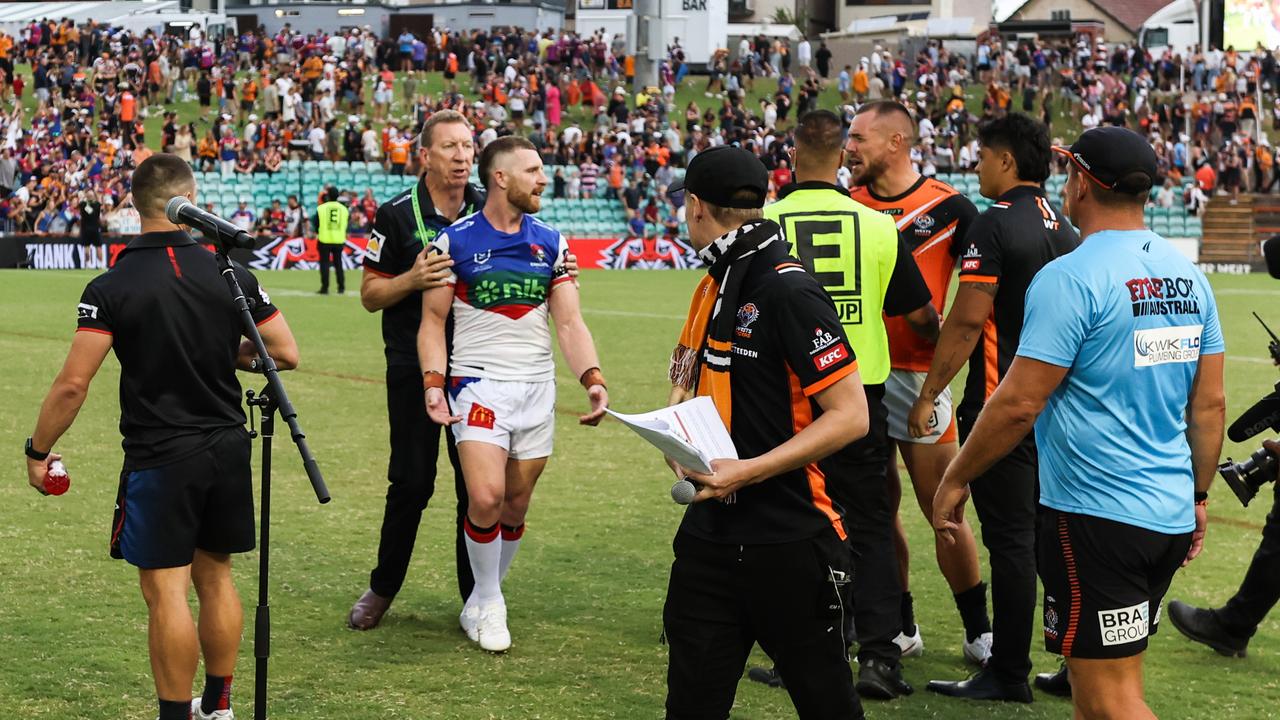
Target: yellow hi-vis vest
x=850, y=249
x=331, y=228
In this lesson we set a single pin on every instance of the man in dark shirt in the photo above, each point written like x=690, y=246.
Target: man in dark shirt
x=185, y=500
x=1006, y=246
x=761, y=555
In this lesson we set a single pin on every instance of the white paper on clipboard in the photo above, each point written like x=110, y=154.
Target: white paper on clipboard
x=690, y=433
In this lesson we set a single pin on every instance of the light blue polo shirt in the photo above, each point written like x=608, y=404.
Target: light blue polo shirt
x=1130, y=316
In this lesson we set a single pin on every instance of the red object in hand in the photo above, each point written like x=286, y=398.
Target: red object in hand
x=56, y=479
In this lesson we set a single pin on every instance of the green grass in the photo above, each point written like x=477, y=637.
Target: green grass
x=585, y=595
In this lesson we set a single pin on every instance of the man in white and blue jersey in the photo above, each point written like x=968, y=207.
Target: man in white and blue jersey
x=1119, y=368
x=509, y=275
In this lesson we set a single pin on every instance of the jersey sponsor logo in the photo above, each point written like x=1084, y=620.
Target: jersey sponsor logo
x=85, y=311
x=747, y=314
x=739, y=350
x=1163, y=296
x=1159, y=346
x=1050, y=620
x=821, y=340
x=970, y=264
x=262, y=293
x=481, y=417
x=972, y=252
x=1124, y=625
x=831, y=357
x=373, y=250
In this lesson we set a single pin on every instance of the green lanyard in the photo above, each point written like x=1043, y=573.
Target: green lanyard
x=417, y=215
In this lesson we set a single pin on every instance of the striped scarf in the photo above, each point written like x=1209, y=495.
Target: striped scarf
x=701, y=361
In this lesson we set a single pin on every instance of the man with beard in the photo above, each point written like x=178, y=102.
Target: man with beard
x=932, y=219
x=511, y=273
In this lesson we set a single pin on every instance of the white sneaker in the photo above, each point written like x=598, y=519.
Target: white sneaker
x=978, y=652
x=492, y=629
x=198, y=714
x=470, y=621
x=911, y=645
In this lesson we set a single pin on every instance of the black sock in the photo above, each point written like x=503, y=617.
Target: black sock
x=175, y=710
x=217, y=693
x=908, y=613
x=972, y=604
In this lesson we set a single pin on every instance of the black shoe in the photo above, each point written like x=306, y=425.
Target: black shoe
x=1203, y=627
x=879, y=681
x=984, y=685
x=765, y=676
x=322, y=291
x=1054, y=683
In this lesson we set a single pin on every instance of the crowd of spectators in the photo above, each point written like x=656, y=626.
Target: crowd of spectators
x=263, y=100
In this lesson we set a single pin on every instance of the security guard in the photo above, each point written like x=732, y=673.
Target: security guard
x=397, y=268
x=855, y=253
x=762, y=554
x=1005, y=248
x=185, y=499
x=331, y=239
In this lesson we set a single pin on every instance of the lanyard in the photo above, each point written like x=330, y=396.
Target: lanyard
x=417, y=214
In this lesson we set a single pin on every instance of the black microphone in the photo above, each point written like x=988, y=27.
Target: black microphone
x=1264, y=414
x=181, y=211
x=1271, y=251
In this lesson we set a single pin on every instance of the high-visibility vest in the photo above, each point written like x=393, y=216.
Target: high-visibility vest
x=331, y=226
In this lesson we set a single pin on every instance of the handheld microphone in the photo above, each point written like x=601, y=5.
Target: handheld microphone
x=1271, y=252
x=181, y=211
x=1264, y=414
x=683, y=490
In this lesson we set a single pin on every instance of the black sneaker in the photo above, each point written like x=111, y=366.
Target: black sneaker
x=765, y=676
x=1054, y=683
x=1204, y=627
x=984, y=685
x=322, y=291
x=880, y=681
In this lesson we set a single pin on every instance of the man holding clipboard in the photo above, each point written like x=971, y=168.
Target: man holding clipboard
x=761, y=555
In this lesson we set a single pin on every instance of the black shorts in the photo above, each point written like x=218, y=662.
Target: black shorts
x=204, y=501
x=1103, y=583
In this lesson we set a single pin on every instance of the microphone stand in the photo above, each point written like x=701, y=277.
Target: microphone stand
x=271, y=399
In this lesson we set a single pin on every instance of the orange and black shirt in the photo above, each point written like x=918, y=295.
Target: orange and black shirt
x=932, y=219
x=787, y=346
x=1008, y=244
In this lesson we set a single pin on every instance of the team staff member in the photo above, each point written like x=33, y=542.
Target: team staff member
x=933, y=220
x=1006, y=246
x=185, y=501
x=761, y=555
x=855, y=253
x=1120, y=372
x=331, y=239
x=397, y=268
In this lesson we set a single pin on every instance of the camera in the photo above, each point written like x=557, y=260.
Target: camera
x=1245, y=478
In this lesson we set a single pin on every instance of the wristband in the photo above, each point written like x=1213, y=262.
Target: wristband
x=432, y=379
x=1201, y=498
x=35, y=454
x=592, y=377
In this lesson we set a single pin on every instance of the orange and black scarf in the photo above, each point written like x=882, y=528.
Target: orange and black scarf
x=701, y=361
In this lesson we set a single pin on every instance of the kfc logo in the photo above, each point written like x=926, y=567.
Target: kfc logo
x=831, y=357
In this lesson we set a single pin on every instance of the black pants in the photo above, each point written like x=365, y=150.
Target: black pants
x=332, y=253
x=724, y=598
x=858, y=483
x=1261, y=587
x=415, y=448
x=1007, y=498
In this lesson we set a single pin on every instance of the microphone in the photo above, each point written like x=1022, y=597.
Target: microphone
x=683, y=491
x=1271, y=251
x=181, y=211
x=1264, y=414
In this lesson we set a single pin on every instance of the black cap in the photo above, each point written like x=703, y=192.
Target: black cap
x=715, y=175
x=1109, y=155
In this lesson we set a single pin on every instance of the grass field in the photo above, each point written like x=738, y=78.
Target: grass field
x=585, y=595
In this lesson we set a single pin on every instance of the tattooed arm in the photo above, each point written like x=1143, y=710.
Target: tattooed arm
x=960, y=335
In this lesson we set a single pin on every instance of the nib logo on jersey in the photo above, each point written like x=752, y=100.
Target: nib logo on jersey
x=1163, y=296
